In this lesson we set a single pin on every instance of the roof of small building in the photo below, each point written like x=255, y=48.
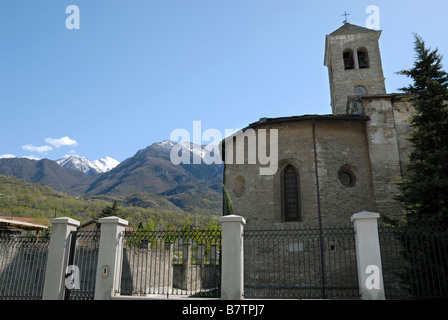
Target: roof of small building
x=22, y=223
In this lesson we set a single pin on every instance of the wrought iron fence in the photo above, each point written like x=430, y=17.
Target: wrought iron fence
x=23, y=260
x=291, y=262
x=83, y=257
x=185, y=262
x=414, y=261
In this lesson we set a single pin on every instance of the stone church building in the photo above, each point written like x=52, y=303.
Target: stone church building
x=329, y=166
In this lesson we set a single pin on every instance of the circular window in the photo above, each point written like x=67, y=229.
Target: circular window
x=239, y=185
x=346, y=177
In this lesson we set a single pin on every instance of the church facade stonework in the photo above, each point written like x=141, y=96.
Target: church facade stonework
x=329, y=166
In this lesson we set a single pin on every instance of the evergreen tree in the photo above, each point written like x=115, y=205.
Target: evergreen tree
x=110, y=211
x=424, y=190
x=228, y=205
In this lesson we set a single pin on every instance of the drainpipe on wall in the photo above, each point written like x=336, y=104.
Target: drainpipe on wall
x=318, y=210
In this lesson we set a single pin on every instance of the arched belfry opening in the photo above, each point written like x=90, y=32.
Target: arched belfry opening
x=349, y=61
x=363, y=58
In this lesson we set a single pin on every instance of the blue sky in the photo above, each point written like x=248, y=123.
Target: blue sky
x=138, y=69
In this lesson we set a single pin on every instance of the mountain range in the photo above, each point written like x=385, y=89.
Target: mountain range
x=147, y=179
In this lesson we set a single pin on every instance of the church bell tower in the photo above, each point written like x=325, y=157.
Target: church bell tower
x=353, y=59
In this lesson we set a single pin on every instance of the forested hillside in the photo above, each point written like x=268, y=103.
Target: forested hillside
x=24, y=199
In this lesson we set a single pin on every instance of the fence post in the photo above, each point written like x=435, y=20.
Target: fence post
x=109, y=257
x=232, y=269
x=58, y=251
x=368, y=255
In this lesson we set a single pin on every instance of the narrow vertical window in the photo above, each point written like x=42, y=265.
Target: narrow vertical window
x=290, y=194
x=349, y=62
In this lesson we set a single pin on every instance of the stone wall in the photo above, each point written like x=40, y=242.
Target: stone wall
x=373, y=149
x=259, y=203
x=146, y=271
x=340, y=145
x=403, y=110
x=195, y=277
x=387, y=131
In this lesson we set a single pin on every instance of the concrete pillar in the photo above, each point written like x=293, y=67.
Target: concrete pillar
x=58, y=252
x=232, y=269
x=368, y=255
x=109, y=257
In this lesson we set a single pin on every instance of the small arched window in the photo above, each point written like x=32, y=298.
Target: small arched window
x=349, y=62
x=363, y=58
x=290, y=194
x=360, y=90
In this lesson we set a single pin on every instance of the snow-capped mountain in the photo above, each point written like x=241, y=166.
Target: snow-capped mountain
x=91, y=168
x=202, y=152
x=81, y=164
x=11, y=156
x=107, y=163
